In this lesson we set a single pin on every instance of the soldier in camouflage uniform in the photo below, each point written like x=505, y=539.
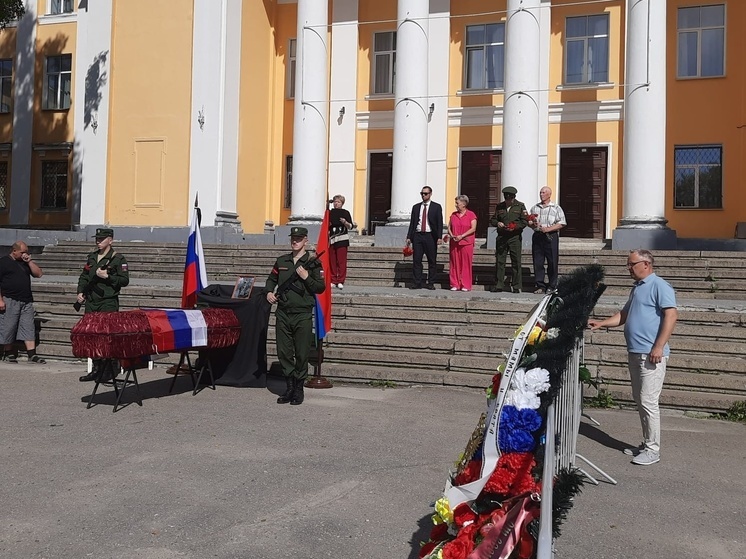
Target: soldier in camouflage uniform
x=510, y=218
x=105, y=273
x=294, y=324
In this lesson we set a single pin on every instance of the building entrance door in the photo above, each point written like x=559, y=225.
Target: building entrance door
x=380, y=169
x=582, y=183
x=480, y=181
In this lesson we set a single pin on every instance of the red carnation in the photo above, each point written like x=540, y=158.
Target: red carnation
x=496, y=383
x=513, y=471
x=462, y=545
x=439, y=532
x=407, y=251
x=426, y=549
x=463, y=516
x=510, y=226
x=470, y=473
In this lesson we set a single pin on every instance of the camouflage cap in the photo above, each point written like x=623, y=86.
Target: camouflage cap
x=298, y=232
x=103, y=232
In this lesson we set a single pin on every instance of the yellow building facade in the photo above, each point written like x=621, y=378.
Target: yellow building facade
x=121, y=112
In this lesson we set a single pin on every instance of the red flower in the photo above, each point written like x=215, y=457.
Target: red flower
x=439, y=532
x=470, y=473
x=462, y=545
x=496, y=383
x=512, y=475
x=510, y=226
x=407, y=251
x=464, y=516
x=426, y=549
x=532, y=217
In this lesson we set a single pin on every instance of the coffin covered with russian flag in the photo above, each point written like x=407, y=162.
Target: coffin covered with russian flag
x=132, y=334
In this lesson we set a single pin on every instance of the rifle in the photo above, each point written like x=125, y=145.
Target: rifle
x=289, y=283
x=92, y=286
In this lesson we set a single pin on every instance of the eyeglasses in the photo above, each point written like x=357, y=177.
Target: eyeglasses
x=633, y=264
x=425, y=193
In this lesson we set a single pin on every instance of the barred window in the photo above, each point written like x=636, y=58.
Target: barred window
x=701, y=41
x=57, y=81
x=698, y=177
x=485, y=56
x=6, y=84
x=54, y=185
x=3, y=185
x=288, y=198
x=292, y=56
x=587, y=49
x=384, y=62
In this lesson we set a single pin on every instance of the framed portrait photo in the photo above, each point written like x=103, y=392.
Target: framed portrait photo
x=243, y=287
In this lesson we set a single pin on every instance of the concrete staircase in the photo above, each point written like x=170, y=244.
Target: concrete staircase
x=383, y=332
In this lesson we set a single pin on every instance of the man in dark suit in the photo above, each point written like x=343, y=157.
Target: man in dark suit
x=425, y=234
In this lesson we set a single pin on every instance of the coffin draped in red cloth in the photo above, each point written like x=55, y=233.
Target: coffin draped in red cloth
x=132, y=334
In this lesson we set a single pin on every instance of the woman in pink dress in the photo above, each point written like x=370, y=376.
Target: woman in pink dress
x=462, y=227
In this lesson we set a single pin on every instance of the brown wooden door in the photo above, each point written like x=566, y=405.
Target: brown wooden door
x=379, y=189
x=583, y=191
x=480, y=181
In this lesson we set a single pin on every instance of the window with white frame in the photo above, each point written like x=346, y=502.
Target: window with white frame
x=485, y=56
x=57, y=80
x=53, y=185
x=6, y=84
x=701, y=41
x=292, y=46
x=587, y=49
x=384, y=62
x=61, y=7
x=3, y=185
x=698, y=177
x=288, y=198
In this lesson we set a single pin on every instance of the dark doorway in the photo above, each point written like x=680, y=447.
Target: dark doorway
x=583, y=173
x=379, y=189
x=480, y=181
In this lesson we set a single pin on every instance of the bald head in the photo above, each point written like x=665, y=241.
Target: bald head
x=545, y=194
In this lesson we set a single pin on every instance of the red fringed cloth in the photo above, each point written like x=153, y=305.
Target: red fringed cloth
x=129, y=334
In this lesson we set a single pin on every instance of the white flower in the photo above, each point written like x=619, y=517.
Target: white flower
x=536, y=380
x=522, y=400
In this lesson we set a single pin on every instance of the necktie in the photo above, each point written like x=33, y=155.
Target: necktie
x=424, y=218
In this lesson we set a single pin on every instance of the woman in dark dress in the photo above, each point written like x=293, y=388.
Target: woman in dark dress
x=340, y=222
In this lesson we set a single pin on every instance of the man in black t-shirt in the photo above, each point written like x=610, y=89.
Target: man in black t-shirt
x=17, y=302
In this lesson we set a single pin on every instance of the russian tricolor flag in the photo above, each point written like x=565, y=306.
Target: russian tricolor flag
x=176, y=330
x=195, y=274
x=323, y=315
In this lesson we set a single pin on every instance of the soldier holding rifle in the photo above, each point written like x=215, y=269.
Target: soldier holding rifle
x=294, y=280
x=105, y=273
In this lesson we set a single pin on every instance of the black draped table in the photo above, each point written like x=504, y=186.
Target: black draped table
x=244, y=364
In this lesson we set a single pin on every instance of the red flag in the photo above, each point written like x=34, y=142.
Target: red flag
x=323, y=320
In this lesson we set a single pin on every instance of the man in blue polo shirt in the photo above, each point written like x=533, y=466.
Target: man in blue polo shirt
x=649, y=318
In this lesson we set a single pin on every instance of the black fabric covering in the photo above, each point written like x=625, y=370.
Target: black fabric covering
x=245, y=364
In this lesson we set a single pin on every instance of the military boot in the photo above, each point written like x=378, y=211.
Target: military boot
x=95, y=372
x=298, y=396
x=107, y=370
x=288, y=394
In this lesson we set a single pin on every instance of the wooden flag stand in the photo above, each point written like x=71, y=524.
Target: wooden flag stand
x=316, y=380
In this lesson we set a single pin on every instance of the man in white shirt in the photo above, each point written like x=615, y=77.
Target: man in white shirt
x=425, y=234
x=546, y=219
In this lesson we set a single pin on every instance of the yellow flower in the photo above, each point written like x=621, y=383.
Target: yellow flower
x=442, y=512
x=535, y=336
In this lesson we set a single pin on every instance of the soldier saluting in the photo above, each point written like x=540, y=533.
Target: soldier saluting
x=294, y=315
x=105, y=273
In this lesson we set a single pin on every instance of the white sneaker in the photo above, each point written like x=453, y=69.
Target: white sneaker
x=341, y=285
x=454, y=288
x=464, y=289
x=646, y=458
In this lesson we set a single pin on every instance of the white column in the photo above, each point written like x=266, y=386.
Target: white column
x=643, y=224
x=545, y=26
x=644, y=114
x=439, y=42
x=342, y=106
x=311, y=113
x=92, y=79
x=216, y=61
x=522, y=99
x=23, y=116
x=411, y=109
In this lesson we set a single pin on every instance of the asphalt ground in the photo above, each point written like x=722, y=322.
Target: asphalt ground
x=351, y=473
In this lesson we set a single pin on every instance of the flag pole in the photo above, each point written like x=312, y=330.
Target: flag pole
x=317, y=380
